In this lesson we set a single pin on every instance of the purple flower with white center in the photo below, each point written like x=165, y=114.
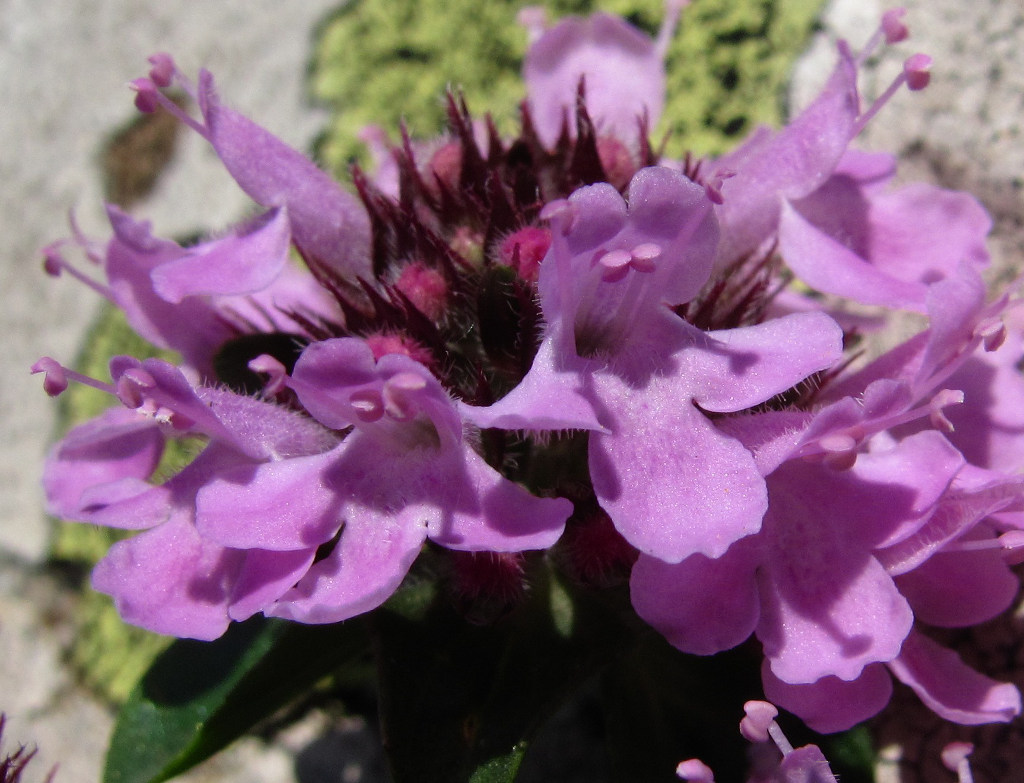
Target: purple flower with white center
x=403, y=473
x=616, y=360
x=168, y=578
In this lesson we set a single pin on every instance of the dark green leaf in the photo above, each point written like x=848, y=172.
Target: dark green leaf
x=460, y=702
x=198, y=697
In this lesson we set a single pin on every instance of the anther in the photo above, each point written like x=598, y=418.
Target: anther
x=265, y=364
x=367, y=404
x=893, y=27
x=147, y=94
x=397, y=390
x=560, y=213
x=917, y=69
x=756, y=725
x=162, y=72
x=955, y=759
x=55, y=380
x=695, y=771
x=943, y=399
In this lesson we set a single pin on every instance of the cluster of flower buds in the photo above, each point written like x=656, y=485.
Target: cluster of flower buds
x=565, y=342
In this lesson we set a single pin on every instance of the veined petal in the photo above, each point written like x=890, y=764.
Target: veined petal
x=790, y=164
x=831, y=704
x=285, y=505
x=957, y=589
x=116, y=447
x=951, y=688
x=328, y=225
x=481, y=510
x=828, y=265
x=672, y=483
x=556, y=394
x=701, y=606
x=738, y=368
x=244, y=262
x=170, y=581
x=373, y=555
x=264, y=577
x=622, y=68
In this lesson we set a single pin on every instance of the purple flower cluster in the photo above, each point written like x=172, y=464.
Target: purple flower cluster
x=504, y=345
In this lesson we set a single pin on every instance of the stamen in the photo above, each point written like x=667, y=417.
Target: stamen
x=132, y=384
x=992, y=334
x=149, y=98
x=54, y=264
x=695, y=771
x=163, y=70
x=669, y=23
x=397, y=392
x=893, y=27
x=713, y=185
x=643, y=256
x=368, y=405
x=1010, y=541
x=917, y=69
x=837, y=448
x=55, y=380
x=616, y=264
x=915, y=75
x=840, y=451
x=560, y=213
x=891, y=30
x=265, y=364
x=756, y=726
x=955, y=759
x=943, y=399
x=57, y=377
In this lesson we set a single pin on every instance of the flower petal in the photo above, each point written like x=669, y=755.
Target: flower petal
x=328, y=225
x=244, y=262
x=372, y=557
x=625, y=77
x=170, y=581
x=831, y=704
x=701, y=606
x=952, y=689
x=672, y=483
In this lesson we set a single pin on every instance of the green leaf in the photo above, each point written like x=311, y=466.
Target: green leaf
x=663, y=706
x=460, y=702
x=198, y=697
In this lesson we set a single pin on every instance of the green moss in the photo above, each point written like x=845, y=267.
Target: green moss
x=382, y=63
